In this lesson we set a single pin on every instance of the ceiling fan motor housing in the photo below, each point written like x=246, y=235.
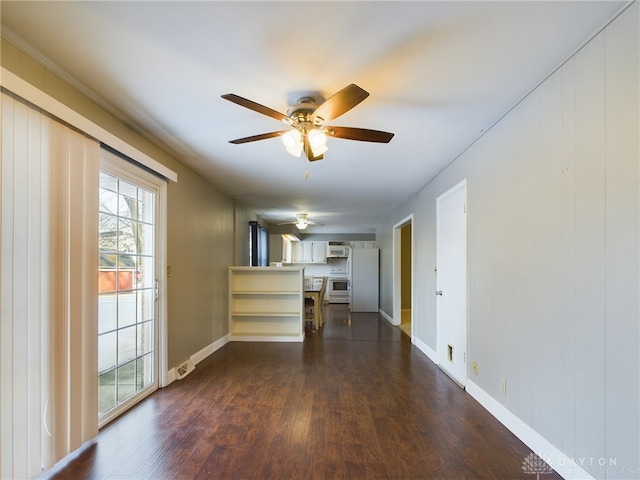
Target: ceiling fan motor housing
x=302, y=111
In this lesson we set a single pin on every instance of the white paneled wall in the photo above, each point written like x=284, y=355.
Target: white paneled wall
x=590, y=248
x=553, y=259
x=48, y=290
x=622, y=214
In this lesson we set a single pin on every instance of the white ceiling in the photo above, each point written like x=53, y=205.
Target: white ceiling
x=438, y=74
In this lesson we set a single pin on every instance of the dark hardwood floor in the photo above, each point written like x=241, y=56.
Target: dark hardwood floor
x=356, y=400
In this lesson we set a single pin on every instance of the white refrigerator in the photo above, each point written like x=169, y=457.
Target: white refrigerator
x=364, y=279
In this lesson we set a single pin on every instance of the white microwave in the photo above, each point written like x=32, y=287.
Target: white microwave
x=338, y=251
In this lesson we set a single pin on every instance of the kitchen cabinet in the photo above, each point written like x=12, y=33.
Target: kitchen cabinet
x=309, y=252
x=296, y=252
x=266, y=304
x=364, y=244
x=302, y=252
x=319, y=252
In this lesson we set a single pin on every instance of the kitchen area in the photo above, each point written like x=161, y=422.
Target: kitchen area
x=351, y=268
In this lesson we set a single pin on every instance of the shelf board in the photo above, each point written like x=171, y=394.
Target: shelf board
x=265, y=292
x=267, y=337
x=266, y=314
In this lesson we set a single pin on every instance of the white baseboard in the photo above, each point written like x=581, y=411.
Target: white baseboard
x=209, y=349
x=424, y=348
x=199, y=356
x=386, y=317
x=268, y=338
x=565, y=466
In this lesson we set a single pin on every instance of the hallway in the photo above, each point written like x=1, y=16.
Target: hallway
x=356, y=400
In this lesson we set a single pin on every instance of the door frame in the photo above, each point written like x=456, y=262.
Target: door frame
x=397, y=271
x=441, y=354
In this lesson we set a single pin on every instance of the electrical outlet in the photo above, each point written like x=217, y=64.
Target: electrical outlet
x=475, y=368
x=503, y=386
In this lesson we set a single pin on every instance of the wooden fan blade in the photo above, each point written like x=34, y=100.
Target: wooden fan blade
x=361, y=134
x=256, y=107
x=309, y=153
x=339, y=103
x=255, y=138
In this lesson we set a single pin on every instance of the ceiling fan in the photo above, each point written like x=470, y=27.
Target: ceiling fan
x=308, y=120
x=301, y=222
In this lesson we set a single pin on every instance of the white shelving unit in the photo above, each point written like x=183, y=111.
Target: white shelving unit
x=266, y=304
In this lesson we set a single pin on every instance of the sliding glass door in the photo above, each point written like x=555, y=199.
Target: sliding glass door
x=127, y=289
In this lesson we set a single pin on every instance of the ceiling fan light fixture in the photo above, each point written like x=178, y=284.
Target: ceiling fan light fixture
x=317, y=141
x=301, y=221
x=292, y=141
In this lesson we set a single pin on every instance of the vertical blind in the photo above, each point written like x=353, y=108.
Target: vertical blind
x=48, y=289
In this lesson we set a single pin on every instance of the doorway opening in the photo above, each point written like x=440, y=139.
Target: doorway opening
x=403, y=275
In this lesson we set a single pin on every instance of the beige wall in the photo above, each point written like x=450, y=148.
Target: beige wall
x=200, y=221
x=200, y=248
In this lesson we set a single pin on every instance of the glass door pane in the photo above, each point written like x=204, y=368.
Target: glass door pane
x=127, y=292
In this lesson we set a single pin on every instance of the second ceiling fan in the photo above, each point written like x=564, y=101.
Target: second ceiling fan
x=302, y=221
x=307, y=119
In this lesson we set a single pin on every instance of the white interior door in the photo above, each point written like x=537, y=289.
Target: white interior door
x=451, y=293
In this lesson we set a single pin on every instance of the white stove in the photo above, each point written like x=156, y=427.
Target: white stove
x=339, y=281
x=339, y=289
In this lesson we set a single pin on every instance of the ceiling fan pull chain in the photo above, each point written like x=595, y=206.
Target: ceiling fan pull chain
x=306, y=169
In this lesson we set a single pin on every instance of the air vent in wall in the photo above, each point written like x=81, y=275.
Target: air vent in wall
x=185, y=369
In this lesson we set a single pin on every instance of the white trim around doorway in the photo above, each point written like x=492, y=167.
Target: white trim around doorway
x=397, y=249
